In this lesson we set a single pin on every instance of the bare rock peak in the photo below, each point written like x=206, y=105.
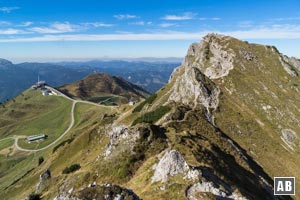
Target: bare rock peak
x=170, y=164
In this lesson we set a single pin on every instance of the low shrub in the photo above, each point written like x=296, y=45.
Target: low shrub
x=71, y=169
x=41, y=160
x=68, y=141
x=34, y=196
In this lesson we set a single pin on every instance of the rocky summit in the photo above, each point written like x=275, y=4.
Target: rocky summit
x=226, y=123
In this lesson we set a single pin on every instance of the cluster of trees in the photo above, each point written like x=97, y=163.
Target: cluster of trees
x=152, y=116
x=149, y=100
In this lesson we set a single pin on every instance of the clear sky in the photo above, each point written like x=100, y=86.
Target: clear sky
x=50, y=30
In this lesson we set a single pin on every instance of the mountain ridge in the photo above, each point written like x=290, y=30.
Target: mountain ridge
x=224, y=125
x=217, y=74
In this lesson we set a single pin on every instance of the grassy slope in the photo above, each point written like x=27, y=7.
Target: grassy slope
x=27, y=114
x=256, y=129
x=162, y=97
x=6, y=143
x=107, y=99
x=31, y=113
x=86, y=118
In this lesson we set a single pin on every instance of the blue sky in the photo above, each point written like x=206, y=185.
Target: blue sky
x=52, y=30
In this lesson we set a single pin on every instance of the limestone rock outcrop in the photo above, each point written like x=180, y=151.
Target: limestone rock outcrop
x=208, y=187
x=106, y=191
x=118, y=133
x=204, y=62
x=44, y=177
x=172, y=163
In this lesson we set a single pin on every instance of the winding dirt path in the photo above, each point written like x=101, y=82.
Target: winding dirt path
x=58, y=93
x=59, y=138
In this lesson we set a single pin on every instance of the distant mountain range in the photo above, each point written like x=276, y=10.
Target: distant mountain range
x=142, y=59
x=15, y=78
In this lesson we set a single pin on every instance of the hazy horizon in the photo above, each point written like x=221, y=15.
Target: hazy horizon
x=61, y=60
x=81, y=30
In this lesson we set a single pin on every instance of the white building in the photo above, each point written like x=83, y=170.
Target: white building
x=131, y=103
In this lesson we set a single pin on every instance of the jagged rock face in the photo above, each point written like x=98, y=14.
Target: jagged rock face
x=44, y=177
x=195, y=190
x=117, y=134
x=170, y=164
x=104, y=192
x=289, y=65
x=192, y=90
x=108, y=192
x=211, y=57
x=295, y=62
x=204, y=61
x=65, y=196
